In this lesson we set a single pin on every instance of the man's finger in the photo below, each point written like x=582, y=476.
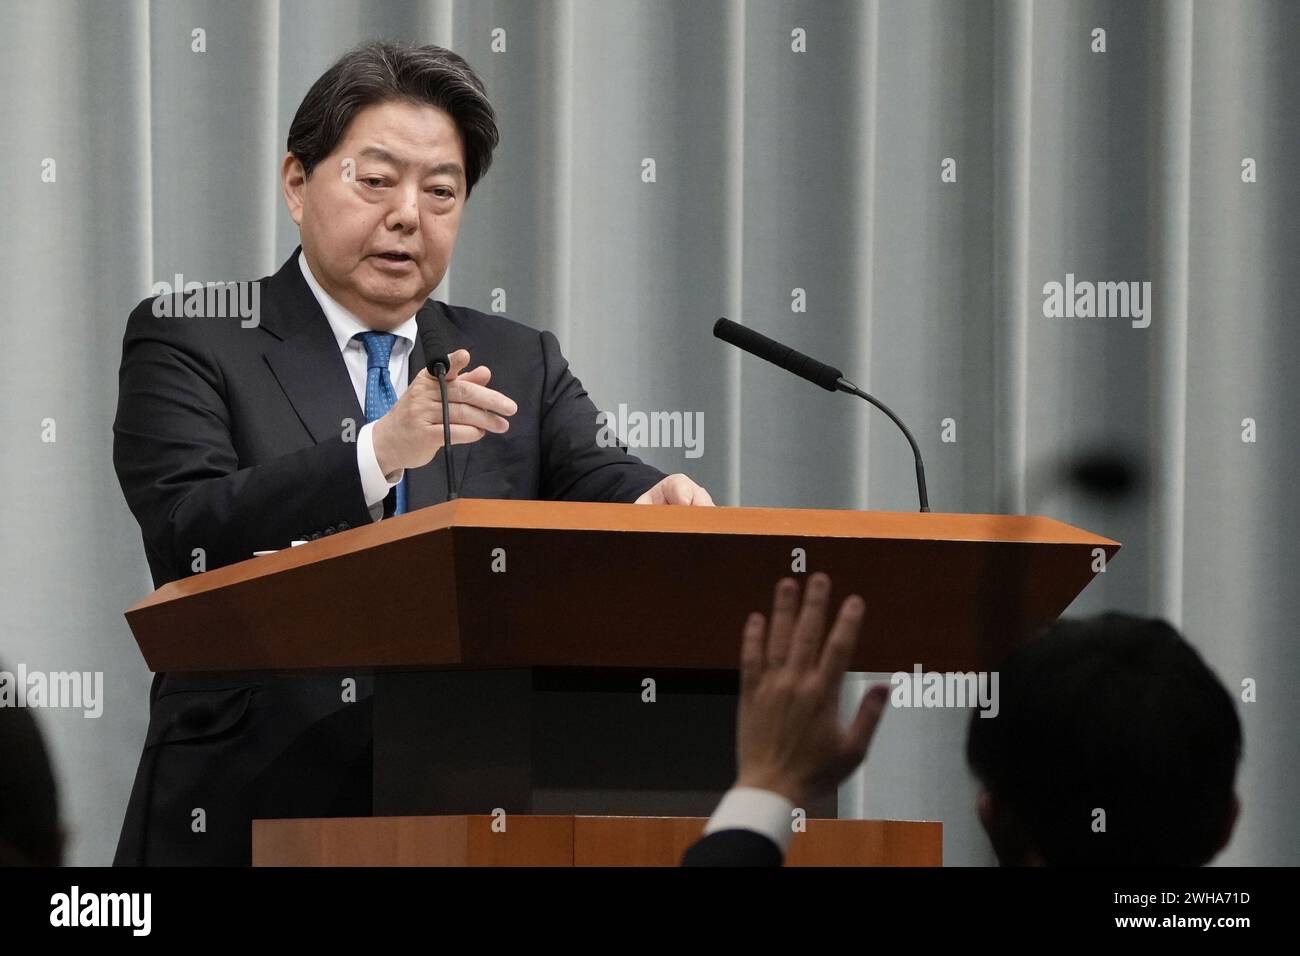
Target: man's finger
x=462, y=414
x=458, y=359
x=487, y=399
x=464, y=434
x=669, y=491
x=654, y=495
x=865, y=721
x=681, y=490
x=811, y=625
x=842, y=641
x=687, y=492
x=785, y=603
x=479, y=375
x=751, y=654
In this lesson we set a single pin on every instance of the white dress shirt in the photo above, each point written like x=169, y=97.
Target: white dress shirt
x=749, y=808
x=374, y=484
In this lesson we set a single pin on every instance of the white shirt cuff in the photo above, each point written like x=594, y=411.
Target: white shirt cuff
x=373, y=483
x=749, y=808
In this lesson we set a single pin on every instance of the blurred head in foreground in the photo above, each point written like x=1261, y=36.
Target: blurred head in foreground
x=29, y=815
x=1114, y=745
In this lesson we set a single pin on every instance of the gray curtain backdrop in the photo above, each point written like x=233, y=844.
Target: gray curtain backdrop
x=775, y=170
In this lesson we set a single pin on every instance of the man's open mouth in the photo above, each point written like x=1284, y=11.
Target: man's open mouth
x=393, y=256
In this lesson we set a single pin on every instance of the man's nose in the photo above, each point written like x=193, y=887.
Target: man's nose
x=405, y=211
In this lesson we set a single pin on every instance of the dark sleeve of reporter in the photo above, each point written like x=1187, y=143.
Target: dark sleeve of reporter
x=733, y=848
x=175, y=458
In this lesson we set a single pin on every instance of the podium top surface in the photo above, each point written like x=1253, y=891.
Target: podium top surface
x=666, y=519
x=614, y=585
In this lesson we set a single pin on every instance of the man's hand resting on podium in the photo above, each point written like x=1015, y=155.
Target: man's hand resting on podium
x=676, y=490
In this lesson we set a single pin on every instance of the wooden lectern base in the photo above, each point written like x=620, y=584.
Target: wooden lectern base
x=527, y=840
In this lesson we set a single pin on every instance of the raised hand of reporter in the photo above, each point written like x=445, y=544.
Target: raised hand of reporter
x=789, y=736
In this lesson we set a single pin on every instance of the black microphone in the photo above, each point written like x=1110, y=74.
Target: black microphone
x=819, y=373
x=438, y=363
x=435, y=350
x=756, y=343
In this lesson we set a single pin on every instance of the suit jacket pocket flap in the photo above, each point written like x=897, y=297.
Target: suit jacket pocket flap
x=197, y=714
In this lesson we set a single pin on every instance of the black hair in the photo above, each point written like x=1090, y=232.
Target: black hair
x=1114, y=713
x=378, y=72
x=29, y=813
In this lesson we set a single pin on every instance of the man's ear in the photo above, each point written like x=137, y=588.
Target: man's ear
x=1009, y=843
x=987, y=812
x=293, y=182
x=1229, y=824
x=63, y=845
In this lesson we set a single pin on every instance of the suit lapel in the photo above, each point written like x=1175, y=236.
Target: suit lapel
x=309, y=367
x=307, y=361
x=428, y=485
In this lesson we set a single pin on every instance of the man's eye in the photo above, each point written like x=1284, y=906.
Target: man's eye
x=373, y=181
x=443, y=192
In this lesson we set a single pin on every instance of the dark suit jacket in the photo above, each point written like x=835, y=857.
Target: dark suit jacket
x=733, y=848
x=232, y=440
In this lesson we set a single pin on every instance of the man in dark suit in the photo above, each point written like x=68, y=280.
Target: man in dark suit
x=314, y=413
x=1113, y=713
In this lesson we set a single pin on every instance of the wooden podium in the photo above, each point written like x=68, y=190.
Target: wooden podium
x=576, y=671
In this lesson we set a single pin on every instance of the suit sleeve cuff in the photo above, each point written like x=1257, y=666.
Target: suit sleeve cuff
x=373, y=483
x=749, y=808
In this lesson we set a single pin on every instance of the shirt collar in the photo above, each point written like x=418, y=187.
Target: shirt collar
x=343, y=322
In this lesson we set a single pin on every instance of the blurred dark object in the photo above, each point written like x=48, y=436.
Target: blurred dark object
x=29, y=813
x=1111, y=476
x=1104, y=474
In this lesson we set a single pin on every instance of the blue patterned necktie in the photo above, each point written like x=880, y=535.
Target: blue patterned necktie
x=380, y=395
